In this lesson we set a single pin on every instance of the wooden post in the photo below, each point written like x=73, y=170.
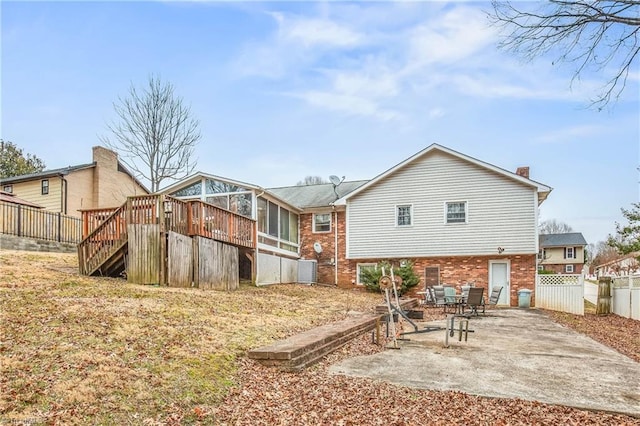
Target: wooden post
x=603, y=306
x=159, y=205
x=19, y=221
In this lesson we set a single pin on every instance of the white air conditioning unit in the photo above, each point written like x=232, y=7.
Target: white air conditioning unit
x=307, y=271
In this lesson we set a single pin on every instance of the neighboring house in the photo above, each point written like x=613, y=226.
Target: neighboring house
x=624, y=265
x=103, y=183
x=562, y=253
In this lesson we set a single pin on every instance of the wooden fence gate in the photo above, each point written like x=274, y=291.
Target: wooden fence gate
x=563, y=293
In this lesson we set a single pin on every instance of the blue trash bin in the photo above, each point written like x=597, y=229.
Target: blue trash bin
x=524, y=298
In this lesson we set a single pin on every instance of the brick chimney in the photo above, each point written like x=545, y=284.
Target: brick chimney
x=523, y=171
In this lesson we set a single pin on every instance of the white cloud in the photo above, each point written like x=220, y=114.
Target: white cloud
x=435, y=113
x=350, y=104
x=372, y=85
x=570, y=134
x=356, y=63
x=459, y=34
x=315, y=32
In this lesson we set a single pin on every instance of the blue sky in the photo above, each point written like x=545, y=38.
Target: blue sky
x=290, y=89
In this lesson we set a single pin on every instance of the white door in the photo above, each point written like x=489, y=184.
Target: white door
x=499, y=277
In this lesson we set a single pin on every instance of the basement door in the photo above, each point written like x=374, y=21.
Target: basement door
x=499, y=277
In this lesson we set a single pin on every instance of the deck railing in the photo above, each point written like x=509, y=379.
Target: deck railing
x=101, y=243
x=24, y=221
x=107, y=232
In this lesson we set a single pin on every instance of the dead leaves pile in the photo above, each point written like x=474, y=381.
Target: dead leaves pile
x=266, y=396
x=619, y=333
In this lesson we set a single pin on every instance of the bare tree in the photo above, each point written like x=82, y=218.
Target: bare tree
x=311, y=180
x=591, y=34
x=553, y=226
x=155, y=135
x=602, y=252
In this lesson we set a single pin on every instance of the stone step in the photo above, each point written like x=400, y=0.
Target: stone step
x=301, y=350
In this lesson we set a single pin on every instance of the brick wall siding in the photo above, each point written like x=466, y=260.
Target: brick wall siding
x=453, y=270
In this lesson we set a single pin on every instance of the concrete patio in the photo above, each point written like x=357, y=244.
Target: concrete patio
x=513, y=353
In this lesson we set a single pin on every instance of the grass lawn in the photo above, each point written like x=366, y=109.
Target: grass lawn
x=80, y=350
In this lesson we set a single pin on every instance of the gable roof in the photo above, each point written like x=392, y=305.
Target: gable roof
x=45, y=174
x=543, y=190
x=632, y=255
x=320, y=195
x=562, y=240
x=199, y=175
x=11, y=198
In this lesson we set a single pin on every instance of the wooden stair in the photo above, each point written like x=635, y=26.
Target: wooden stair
x=302, y=350
x=115, y=264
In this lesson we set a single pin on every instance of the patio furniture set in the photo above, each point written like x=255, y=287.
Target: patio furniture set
x=468, y=302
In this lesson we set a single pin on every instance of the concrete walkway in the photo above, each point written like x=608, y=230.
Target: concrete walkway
x=513, y=353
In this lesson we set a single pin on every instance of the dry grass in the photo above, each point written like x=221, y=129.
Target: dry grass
x=79, y=350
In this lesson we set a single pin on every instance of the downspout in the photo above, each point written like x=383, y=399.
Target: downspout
x=63, y=194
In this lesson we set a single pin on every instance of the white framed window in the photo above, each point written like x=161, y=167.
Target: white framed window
x=456, y=212
x=569, y=253
x=404, y=215
x=540, y=268
x=568, y=269
x=321, y=222
x=364, y=267
x=8, y=188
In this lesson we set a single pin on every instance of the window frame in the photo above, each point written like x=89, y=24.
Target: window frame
x=271, y=222
x=44, y=187
x=403, y=206
x=569, y=253
x=446, y=212
x=358, y=269
x=566, y=269
x=315, y=229
x=8, y=189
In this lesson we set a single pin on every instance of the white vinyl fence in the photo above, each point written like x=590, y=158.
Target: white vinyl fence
x=560, y=293
x=625, y=294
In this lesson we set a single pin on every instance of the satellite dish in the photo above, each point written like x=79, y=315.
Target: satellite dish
x=317, y=247
x=335, y=180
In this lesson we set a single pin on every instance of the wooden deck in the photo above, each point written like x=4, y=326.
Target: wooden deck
x=106, y=231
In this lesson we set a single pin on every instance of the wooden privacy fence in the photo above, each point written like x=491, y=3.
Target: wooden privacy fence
x=30, y=222
x=560, y=293
x=625, y=296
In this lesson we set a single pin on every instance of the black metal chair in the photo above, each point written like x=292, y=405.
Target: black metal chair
x=474, y=301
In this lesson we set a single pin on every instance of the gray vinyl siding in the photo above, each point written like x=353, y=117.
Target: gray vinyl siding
x=501, y=212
